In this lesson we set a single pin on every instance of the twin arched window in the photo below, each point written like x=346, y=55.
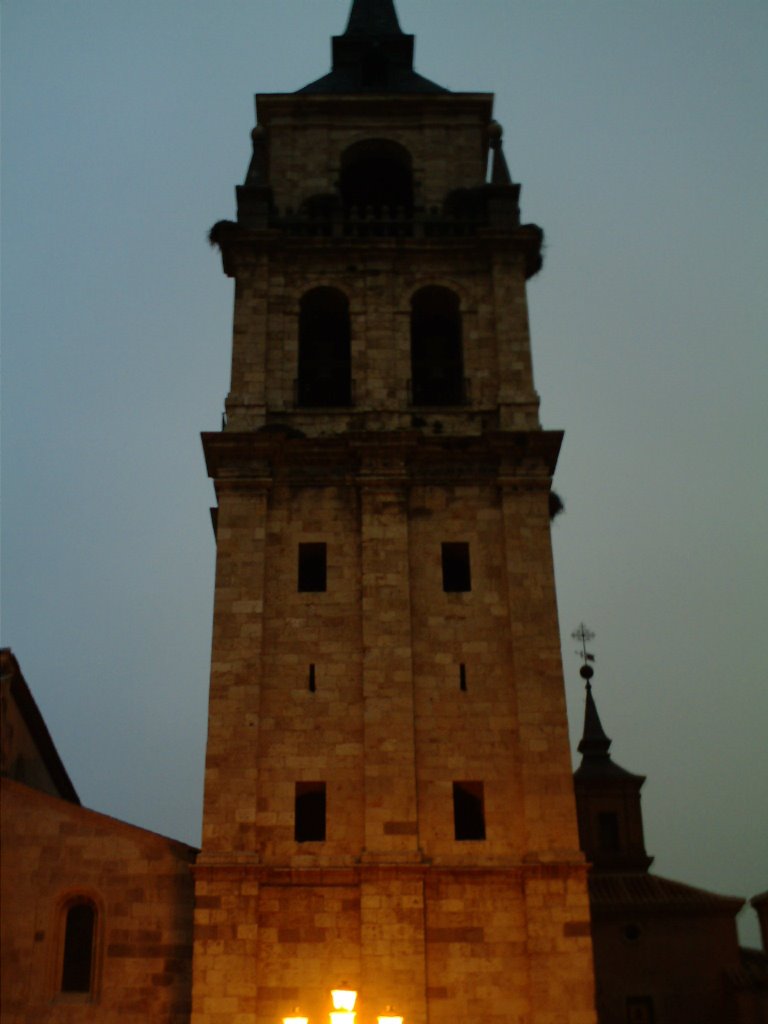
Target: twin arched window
x=324, y=358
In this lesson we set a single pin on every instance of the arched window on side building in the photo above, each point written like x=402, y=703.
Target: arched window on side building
x=79, y=947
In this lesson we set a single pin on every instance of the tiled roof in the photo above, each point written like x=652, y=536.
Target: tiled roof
x=623, y=891
x=753, y=972
x=35, y=723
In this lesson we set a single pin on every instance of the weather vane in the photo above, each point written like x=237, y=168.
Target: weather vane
x=585, y=636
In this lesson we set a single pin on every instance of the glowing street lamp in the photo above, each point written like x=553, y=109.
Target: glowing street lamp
x=343, y=1011
x=343, y=1006
x=344, y=999
x=296, y=1018
x=389, y=1017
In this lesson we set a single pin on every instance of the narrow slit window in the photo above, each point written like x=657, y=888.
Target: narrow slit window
x=77, y=962
x=313, y=572
x=312, y=684
x=468, y=811
x=463, y=677
x=309, y=818
x=456, y=573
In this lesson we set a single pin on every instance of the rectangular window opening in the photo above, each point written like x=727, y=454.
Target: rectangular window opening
x=468, y=811
x=312, y=685
x=608, y=836
x=312, y=568
x=640, y=1010
x=463, y=677
x=456, y=574
x=309, y=812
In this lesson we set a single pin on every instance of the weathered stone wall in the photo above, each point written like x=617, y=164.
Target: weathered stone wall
x=389, y=729
x=679, y=960
x=448, y=145
x=442, y=944
x=141, y=885
x=379, y=285
x=390, y=902
x=445, y=136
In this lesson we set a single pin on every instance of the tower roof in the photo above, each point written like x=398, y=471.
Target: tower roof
x=594, y=742
x=595, y=746
x=373, y=18
x=373, y=56
x=607, y=796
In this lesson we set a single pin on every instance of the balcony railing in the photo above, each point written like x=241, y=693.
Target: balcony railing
x=379, y=222
x=323, y=392
x=440, y=393
x=335, y=393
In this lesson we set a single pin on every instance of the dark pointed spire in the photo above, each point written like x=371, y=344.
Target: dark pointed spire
x=373, y=56
x=373, y=18
x=594, y=743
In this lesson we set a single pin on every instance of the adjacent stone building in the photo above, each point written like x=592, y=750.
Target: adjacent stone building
x=665, y=952
x=96, y=914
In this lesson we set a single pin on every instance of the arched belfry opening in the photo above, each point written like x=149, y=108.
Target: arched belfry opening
x=324, y=349
x=376, y=175
x=437, y=364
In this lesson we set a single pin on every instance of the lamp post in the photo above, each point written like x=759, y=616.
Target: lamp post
x=343, y=1011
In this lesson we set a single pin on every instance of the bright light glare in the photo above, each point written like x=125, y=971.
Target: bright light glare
x=343, y=999
x=342, y=1017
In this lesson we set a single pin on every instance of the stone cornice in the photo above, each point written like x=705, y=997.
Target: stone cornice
x=274, y=106
x=260, y=459
x=355, y=874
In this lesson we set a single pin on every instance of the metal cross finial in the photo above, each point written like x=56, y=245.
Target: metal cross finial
x=585, y=636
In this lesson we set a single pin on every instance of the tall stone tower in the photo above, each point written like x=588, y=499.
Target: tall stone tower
x=388, y=798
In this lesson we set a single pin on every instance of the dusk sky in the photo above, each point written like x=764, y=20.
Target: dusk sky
x=639, y=131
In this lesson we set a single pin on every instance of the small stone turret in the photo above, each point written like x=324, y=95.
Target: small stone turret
x=607, y=800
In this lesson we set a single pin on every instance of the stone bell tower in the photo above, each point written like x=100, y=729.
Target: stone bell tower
x=388, y=798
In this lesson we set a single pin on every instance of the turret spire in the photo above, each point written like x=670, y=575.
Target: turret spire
x=607, y=795
x=594, y=742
